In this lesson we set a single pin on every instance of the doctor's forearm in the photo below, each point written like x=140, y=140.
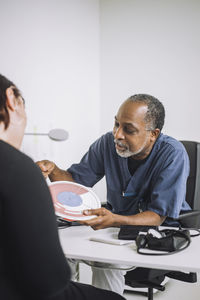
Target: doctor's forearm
x=60, y=175
x=143, y=218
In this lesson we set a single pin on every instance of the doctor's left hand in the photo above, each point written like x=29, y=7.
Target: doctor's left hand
x=104, y=218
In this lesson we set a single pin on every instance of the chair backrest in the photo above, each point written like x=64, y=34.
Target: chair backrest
x=193, y=182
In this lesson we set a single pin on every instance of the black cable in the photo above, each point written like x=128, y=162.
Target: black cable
x=193, y=229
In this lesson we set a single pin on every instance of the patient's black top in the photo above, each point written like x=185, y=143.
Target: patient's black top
x=32, y=263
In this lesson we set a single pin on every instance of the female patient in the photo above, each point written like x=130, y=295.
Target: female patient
x=32, y=263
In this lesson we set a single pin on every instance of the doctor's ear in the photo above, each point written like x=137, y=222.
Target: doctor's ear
x=155, y=133
x=11, y=100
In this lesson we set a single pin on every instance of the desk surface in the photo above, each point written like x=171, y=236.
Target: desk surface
x=76, y=244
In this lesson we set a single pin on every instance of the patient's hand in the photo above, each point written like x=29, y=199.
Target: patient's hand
x=104, y=218
x=46, y=167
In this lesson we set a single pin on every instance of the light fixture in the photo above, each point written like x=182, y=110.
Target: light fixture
x=54, y=134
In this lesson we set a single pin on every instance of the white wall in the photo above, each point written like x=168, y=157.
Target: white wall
x=50, y=49
x=152, y=46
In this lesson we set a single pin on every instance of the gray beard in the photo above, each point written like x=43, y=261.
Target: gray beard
x=127, y=153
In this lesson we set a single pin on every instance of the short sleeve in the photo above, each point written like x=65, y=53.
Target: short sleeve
x=91, y=167
x=169, y=187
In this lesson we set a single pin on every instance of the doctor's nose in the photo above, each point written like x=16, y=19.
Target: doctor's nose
x=118, y=133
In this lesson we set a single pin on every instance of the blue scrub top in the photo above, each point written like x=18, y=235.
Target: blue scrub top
x=158, y=185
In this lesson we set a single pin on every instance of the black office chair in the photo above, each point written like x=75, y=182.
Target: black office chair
x=191, y=219
x=152, y=278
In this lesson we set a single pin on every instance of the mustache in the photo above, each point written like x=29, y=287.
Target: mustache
x=119, y=143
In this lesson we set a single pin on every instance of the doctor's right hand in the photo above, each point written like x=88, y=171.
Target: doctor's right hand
x=46, y=167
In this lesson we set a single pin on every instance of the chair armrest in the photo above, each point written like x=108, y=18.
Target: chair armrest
x=188, y=214
x=189, y=219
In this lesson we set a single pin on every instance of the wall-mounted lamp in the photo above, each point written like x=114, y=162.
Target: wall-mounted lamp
x=54, y=134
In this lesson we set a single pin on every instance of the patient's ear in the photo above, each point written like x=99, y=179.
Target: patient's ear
x=11, y=100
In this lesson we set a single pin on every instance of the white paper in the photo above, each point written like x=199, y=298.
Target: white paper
x=110, y=240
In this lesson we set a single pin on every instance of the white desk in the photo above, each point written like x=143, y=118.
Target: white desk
x=76, y=245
